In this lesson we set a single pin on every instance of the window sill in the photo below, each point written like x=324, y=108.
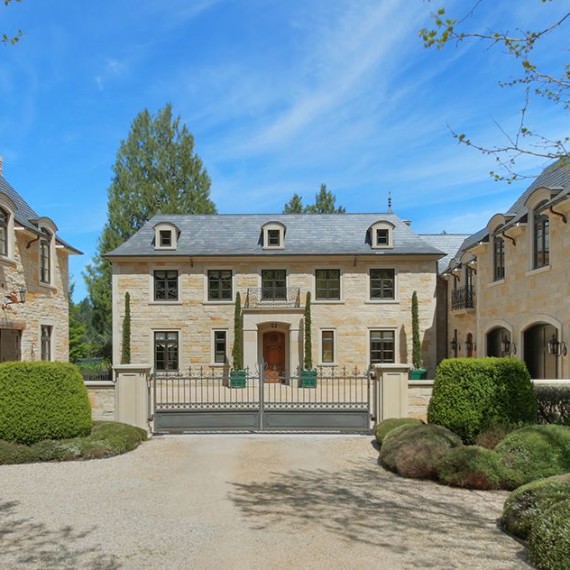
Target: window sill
x=382, y=302
x=217, y=302
x=539, y=270
x=165, y=303
x=328, y=302
x=48, y=286
x=8, y=261
x=496, y=283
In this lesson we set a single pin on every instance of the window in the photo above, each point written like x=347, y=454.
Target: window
x=498, y=258
x=541, y=239
x=166, y=351
x=381, y=346
x=45, y=257
x=273, y=285
x=274, y=238
x=382, y=284
x=327, y=347
x=220, y=285
x=382, y=237
x=166, y=285
x=327, y=284
x=165, y=238
x=4, y=218
x=220, y=347
x=45, y=342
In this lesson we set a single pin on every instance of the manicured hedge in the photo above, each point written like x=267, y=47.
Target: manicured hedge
x=470, y=394
x=386, y=426
x=415, y=450
x=528, y=503
x=549, y=541
x=471, y=467
x=42, y=400
x=535, y=452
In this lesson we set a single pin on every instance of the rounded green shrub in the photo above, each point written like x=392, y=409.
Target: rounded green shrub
x=472, y=467
x=549, y=540
x=535, y=452
x=386, y=426
x=491, y=436
x=471, y=394
x=415, y=450
x=42, y=400
x=528, y=503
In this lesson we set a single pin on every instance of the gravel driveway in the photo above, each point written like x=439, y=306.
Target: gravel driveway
x=244, y=502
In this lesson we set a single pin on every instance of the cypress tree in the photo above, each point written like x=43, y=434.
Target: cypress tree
x=126, y=348
x=416, y=345
x=237, y=351
x=308, y=360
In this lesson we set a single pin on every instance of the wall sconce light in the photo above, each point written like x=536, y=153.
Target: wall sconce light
x=556, y=347
x=506, y=342
x=455, y=346
x=15, y=297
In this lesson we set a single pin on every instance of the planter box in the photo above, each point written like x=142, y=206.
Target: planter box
x=237, y=378
x=418, y=374
x=308, y=379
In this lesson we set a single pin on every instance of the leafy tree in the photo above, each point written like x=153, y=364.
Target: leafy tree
x=294, y=206
x=325, y=203
x=79, y=346
x=126, y=347
x=156, y=171
x=5, y=38
x=537, y=79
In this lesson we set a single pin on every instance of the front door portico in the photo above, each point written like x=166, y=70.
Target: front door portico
x=274, y=355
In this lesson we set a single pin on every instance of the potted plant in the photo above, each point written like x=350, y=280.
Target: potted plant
x=417, y=373
x=308, y=375
x=238, y=373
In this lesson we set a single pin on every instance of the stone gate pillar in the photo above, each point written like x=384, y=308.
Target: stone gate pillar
x=392, y=392
x=132, y=401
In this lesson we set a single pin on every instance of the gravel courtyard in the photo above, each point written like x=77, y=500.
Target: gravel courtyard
x=244, y=502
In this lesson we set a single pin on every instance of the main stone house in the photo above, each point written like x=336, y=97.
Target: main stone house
x=183, y=272
x=509, y=283
x=34, y=284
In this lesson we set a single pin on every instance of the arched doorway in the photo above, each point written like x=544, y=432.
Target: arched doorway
x=274, y=355
x=499, y=342
x=539, y=361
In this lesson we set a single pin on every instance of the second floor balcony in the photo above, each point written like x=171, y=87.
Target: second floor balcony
x=271, y=296
x=462, y=298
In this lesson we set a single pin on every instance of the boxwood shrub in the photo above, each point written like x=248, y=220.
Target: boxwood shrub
x=528, y=503
x=535, y=452
x=553, y=404
x=549, y=541
x=42, y=400
x=470, y=394
x=386, y=426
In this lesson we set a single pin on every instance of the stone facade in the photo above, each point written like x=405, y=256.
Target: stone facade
x=520, y=298
x=350, y=318
x=23, y=238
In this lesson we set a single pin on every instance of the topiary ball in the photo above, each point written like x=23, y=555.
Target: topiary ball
x=549, y=540
x=386, y=426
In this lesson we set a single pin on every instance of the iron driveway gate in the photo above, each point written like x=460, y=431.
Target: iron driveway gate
x=209, y=399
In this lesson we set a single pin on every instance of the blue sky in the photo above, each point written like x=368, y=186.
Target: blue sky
x=280, y=97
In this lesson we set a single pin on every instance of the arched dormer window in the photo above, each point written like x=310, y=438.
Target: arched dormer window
x=45, y=256
x=498, y=257
x=4, y=221
x=540, y=238
x=273, y=235
x=381, y=235
x=165, y=236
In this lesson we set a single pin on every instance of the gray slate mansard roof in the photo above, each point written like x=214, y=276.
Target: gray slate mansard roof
x=556, y=177
x=449, y=243
x=24, y=213
x=306, y=234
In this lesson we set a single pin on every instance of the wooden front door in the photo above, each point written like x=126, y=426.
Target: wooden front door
x=274, y=355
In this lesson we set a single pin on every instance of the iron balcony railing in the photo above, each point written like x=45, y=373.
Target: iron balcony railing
x=260, y=297
x=463, y=298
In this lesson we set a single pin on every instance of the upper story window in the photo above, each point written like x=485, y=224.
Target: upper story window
x=165, y=236
x=327, y=284
x=166, y=285
x=382, y=235
x=220, y=285
x=273, y=235
x=541, y=239
x=498, y=257
x=382, y=284
x=4, y=220
x=273, y=284
x=45, y=256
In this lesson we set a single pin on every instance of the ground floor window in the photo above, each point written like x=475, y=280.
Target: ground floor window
x=166, y=350
x=382, y=346
x=327, y=347
x=46, y=333
x=220, y=347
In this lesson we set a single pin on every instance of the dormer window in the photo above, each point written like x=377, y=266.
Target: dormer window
x=165, y=236
x=273, y=235
x=4, y=219
x=45, y=257
x=7, y=209
x=382, y=235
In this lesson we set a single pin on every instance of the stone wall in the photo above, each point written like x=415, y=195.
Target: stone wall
x=419, y=395
x=102, y=400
